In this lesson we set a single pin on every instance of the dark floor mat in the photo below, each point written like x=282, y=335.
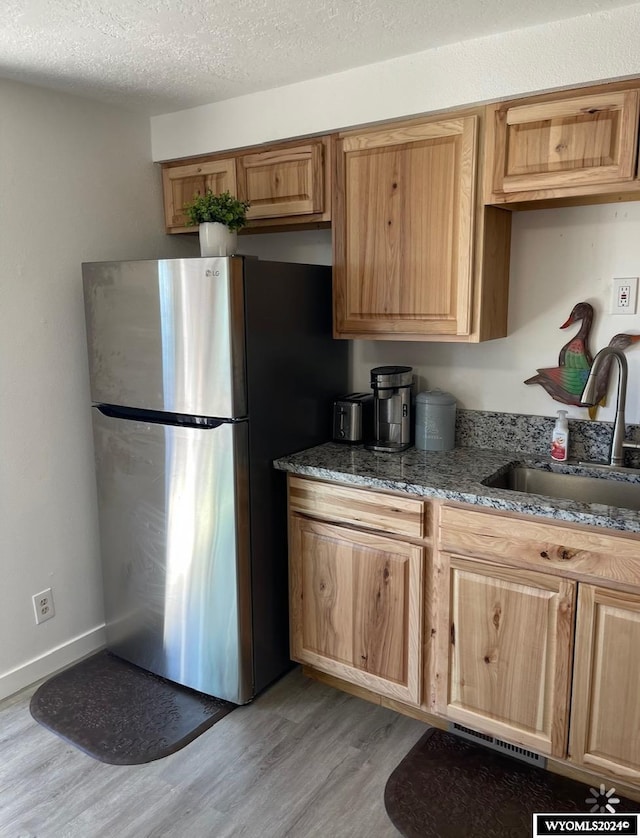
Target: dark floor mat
x=121, y=714
x=448, y=788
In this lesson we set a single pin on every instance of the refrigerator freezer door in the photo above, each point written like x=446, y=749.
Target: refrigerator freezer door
x=173, y=504
x=167, y=335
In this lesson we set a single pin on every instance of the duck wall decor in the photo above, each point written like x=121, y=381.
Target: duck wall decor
x=566, y=382
x=576, y=353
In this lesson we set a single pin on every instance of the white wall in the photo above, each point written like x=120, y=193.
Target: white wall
x=77, y=185
x=564, y=53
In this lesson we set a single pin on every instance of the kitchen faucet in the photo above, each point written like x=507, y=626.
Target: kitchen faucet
x=618, y=442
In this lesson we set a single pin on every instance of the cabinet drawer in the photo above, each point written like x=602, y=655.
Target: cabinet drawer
x=361, y=507
x=583, y=553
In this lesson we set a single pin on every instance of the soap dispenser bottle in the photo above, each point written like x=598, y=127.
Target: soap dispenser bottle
x=560, y=438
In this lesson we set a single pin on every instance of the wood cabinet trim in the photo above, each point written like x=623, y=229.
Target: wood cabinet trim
x=394, y=134
x=591, y=175
x=584, y=554
x=586, y=103
x=359, y=507
x=467, y=216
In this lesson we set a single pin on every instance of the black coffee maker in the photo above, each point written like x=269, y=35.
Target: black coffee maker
x=391, y=408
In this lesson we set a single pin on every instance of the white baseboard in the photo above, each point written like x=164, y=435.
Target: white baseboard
x=56, y=659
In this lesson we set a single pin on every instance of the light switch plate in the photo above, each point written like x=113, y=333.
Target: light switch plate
x=624, y=295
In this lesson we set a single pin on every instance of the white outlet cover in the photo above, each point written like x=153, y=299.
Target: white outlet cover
x=624, y=295
x=43, y=606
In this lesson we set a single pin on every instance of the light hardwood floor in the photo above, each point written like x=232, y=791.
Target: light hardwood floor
x=302, y=760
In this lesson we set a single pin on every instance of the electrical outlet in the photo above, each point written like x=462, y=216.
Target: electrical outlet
x=624, y=295
x=43, y=606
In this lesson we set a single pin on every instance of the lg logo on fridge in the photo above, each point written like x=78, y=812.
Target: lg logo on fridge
x=212, y=273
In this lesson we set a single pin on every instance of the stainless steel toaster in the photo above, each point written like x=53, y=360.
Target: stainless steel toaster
x=353, y=417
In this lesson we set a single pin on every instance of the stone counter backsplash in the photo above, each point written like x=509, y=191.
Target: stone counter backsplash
x=588, y=440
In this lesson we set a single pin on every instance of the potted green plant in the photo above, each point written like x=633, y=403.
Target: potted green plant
x=219, y=217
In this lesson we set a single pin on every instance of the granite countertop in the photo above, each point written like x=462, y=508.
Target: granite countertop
x=457, y=475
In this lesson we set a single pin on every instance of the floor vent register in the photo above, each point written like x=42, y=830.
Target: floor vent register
x=498, y=745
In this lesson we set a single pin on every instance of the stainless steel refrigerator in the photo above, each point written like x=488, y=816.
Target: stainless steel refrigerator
x=202, y=372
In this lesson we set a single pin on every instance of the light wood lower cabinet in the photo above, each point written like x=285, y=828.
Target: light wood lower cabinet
x=605, y=717
x=356, y=606
x=505, y=646
x=515, y=626
x=546, y=576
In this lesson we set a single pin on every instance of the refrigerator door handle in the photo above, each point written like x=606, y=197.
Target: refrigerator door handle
x=157, y=417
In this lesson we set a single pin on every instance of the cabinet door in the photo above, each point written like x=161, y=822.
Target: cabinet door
x=404, y=215
x=181, y=183
x=605, y=708
x=283, y=182
x=573, y=142
x=356, y=606
x=506, y=648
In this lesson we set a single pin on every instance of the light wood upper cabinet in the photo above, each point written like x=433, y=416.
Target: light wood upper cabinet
x=287, y=184
x=285, y=181
x=409, y=238
x=506, y=647
x=182, y=183
x=606, y=712
x=563, y=145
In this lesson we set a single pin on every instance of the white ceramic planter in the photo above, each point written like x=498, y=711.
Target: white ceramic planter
x=217, y=239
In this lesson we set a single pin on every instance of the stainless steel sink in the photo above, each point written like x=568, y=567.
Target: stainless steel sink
x=606, y=490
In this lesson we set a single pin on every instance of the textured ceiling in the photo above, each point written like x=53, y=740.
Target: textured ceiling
x=158, y=56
